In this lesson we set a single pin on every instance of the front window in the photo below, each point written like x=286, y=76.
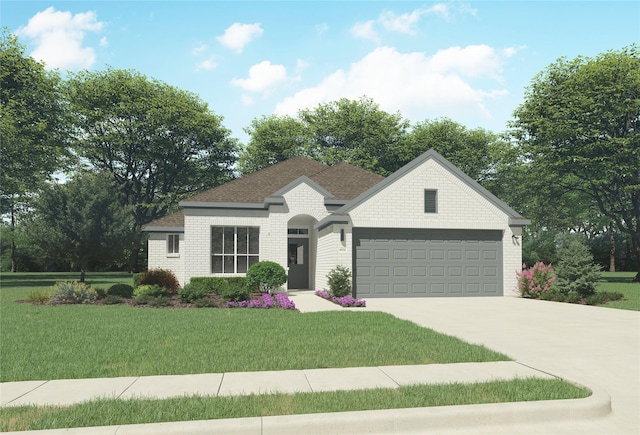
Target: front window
x=234, y=249
x=173, y=244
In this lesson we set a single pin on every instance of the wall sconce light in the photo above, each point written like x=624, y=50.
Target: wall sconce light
x=342, y=235
x=514, y=238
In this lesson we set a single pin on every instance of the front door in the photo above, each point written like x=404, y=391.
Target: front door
x=298, y=260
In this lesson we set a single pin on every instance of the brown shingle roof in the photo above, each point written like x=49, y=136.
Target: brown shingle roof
x=343, y=180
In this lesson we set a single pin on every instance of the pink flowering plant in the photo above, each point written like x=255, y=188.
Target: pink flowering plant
x=280, y=300
x=534, y=281
x=344, y=301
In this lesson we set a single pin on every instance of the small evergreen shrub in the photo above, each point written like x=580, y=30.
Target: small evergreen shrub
x=603, y=297
x=535, y=281
x=112, y=300
x=100, y=292
x=39, y=296
x=158, y=301
x=205, y=303
x=122, y=290
x=233, y=290
x=266, y=276
x=72, y=293
x=162, y=277
x=339, y=280
x=137, y=277
x=151, y=291
x=194, y=291
x=576, y=271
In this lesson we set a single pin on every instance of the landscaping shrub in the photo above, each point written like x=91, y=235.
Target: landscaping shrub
x=100, y=292
x=158, y=301
x=112, y=300
x=122, y=290
x=266, y=276
x=233, y=290
x=72, y=293
x=345, y=301
x=137, y=277
x=576, y=271
x=162, y=277
x=339, y=281
x=536, y=280
x=603, y=297
x=205, y=302
x=193, y=291
x=39, y=296
x=151, y=291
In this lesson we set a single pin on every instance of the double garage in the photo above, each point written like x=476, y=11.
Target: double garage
x=392, y=262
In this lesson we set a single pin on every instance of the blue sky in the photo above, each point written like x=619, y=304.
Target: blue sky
x=469, y=61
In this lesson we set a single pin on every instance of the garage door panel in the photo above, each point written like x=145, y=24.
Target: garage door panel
x=436, y=263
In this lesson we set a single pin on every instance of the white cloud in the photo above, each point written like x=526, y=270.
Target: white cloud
x=301, y=65
x=104, y=42
x=262, y=77
x=237, y=36
x=511, y=51
x=58, y=38
x=403, y=23
x=417, y=85
x=322, y=28
x=199, y=49
x=365, y=31
x=207, y=65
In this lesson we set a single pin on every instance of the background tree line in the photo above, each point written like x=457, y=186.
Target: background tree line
x=131, y=147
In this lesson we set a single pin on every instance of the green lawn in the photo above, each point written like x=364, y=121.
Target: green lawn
x=621, y=282
x=118, y=412
x=83, y=341
x=86, y=341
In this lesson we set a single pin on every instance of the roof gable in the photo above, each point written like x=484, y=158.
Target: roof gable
x=514, y=217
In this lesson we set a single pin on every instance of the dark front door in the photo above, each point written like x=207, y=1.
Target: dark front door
x=298, y=260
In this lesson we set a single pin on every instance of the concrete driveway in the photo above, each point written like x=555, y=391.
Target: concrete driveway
x=593, y=346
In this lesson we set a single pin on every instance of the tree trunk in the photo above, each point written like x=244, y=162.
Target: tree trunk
x=12, y=244
x=135, y=253
x=612, y=251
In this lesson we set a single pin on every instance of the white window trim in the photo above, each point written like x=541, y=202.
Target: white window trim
x=235, y=254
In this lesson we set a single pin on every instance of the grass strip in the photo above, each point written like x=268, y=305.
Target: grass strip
x=107, y=412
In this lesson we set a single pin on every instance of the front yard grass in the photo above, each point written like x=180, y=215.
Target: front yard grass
x=88, y=341
x=107, y=412
x=621, y=282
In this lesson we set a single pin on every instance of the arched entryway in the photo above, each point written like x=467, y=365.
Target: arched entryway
x=301, y=252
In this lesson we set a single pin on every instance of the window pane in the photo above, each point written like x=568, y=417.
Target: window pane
x=216, y=240
x=216, y=264
x=303, y=231
x=229, y=242
x=253, y=260
x=242, y=240
x=254, y=240
x=241, y=264
x=228, y=264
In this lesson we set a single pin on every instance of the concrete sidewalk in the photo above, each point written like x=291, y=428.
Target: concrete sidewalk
x=66, y=392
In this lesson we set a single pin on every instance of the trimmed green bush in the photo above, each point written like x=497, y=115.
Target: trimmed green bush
x=603, y=297
x=72, y=293
x=234, y=291
x=122, y=290
x=205, y=303
x=112, y=300
x=100, y=292
x=39, y=296
x=339, y=280
x=266, y=276
x=162, y=277
x=137, y=277
x=151, y=291
x=193, y=291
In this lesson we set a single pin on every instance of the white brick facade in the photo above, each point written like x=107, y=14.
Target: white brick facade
x=397, y=202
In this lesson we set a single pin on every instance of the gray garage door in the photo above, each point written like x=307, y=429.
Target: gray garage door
x=427, y=263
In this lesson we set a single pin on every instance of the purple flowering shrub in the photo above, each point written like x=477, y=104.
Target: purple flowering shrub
x=534, y=281
x=265, y=301
x=345, y=301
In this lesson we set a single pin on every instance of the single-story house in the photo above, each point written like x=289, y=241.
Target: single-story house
x=427, y=230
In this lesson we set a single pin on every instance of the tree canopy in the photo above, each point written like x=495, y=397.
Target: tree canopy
x=159, y=143
x=579, y=124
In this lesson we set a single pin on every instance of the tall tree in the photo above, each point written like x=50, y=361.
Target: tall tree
x=158, y=142
x=32, y=127
x=354, y=131
x=81, y=221
x=273, y=139
x=580, y=122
